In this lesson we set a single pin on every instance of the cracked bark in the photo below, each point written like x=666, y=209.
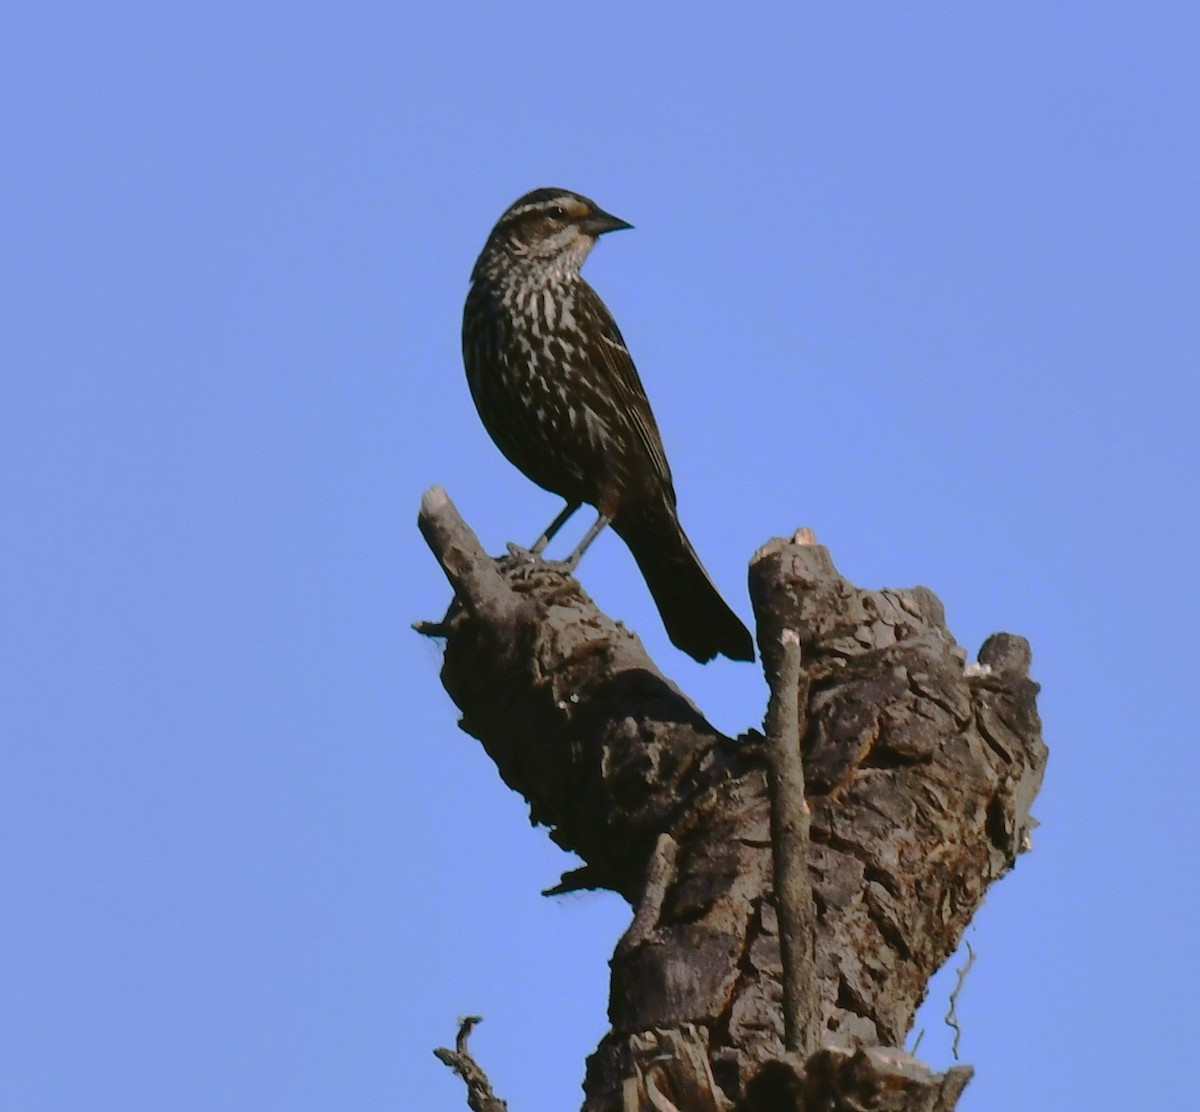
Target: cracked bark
x=920, y=772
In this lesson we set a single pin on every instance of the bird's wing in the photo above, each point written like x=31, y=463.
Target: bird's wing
x=627, y=389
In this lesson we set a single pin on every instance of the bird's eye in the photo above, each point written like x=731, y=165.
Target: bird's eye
x=559, y=210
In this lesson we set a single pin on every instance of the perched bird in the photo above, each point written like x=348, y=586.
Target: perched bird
x=558, y=392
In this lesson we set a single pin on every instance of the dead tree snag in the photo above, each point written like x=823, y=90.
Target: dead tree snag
x=919, y=773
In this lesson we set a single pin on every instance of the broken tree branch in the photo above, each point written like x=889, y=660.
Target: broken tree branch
x=480, y=1097
x=786, y=722
x=919, y=776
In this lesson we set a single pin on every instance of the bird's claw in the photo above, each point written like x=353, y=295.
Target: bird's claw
x=524, y=563
x=520, y=554
x=521, y=562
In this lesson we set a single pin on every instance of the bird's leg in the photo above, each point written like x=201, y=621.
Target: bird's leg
x=597, y=527
x=533, y=554
x=554, y=526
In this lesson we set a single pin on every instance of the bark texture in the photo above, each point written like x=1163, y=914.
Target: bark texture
x=920, y=771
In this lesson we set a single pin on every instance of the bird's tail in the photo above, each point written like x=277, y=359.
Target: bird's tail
x=696, y=617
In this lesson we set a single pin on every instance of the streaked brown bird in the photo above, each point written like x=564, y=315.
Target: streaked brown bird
x=558, y=392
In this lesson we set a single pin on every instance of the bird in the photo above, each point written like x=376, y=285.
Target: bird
x=558, y=392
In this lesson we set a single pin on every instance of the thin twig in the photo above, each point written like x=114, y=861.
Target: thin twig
x=951, y=1017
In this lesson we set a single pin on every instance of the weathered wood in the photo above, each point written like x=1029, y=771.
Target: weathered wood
x=920, y=773
x=871, y=1079
x=786, y=726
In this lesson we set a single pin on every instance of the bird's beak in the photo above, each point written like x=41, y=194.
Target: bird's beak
x=599, y=222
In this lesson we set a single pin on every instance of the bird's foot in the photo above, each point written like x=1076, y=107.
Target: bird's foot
x=520, y=559
x=524, y=563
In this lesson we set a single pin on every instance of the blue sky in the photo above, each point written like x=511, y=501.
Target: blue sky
x=922, y=277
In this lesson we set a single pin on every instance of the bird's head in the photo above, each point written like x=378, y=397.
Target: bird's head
x=548, y=228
